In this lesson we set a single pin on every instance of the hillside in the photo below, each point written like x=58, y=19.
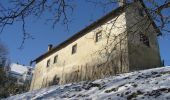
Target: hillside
x=141, y=85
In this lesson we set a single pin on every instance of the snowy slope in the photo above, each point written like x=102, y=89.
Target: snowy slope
x=152, y=84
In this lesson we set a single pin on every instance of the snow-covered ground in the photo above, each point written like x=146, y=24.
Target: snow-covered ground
x=152, y=84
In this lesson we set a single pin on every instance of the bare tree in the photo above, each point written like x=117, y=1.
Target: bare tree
x=19, y=10
x=3, y=55
x=3, y=67
x=157, y=9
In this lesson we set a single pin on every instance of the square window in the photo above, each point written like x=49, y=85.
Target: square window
x=98, y=36
x=144, y=39
x=74, y=48
x=48, y=63
x=141, y=12
x=55, y=59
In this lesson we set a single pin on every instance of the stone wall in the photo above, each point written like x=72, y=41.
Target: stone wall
x=120, y=50
x=92, y=60
x=141, y=56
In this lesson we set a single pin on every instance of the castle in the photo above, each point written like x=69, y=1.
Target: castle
x=123, y=40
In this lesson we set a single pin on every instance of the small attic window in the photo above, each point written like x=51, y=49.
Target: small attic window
x=48, y=63
x=144, y=39
x=98, y=36
x=141, y=12
x=74, y=49
x=55, y=59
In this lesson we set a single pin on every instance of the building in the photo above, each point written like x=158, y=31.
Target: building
x=123, y=40
x=26, y=77
x=20, y=73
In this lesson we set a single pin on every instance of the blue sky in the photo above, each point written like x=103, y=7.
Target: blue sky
x=44, y=34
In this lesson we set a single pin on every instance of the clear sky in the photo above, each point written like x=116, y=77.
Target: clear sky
x=44, y=34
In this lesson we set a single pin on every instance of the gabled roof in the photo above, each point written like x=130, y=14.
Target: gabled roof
x=84, y=31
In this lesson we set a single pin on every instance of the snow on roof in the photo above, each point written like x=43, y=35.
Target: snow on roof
x=19, y=68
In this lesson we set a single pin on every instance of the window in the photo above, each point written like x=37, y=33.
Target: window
x=48, y=63
x=74, y=48
x=144, y=39
x=141, y=12
x=28, y=73
x=98, y=36
x=55, y=59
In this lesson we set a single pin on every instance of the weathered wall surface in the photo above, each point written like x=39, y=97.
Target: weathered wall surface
x=91, y=61
x=140, y=55
x=120, y=50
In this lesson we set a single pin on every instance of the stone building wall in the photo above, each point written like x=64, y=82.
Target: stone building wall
x=120, y=50
x=92, y=60
x=141, y=56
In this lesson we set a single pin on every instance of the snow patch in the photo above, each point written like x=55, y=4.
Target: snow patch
x=152, y=84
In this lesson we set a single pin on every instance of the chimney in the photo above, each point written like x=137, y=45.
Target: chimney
x=122, y=2
x=50, y=46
